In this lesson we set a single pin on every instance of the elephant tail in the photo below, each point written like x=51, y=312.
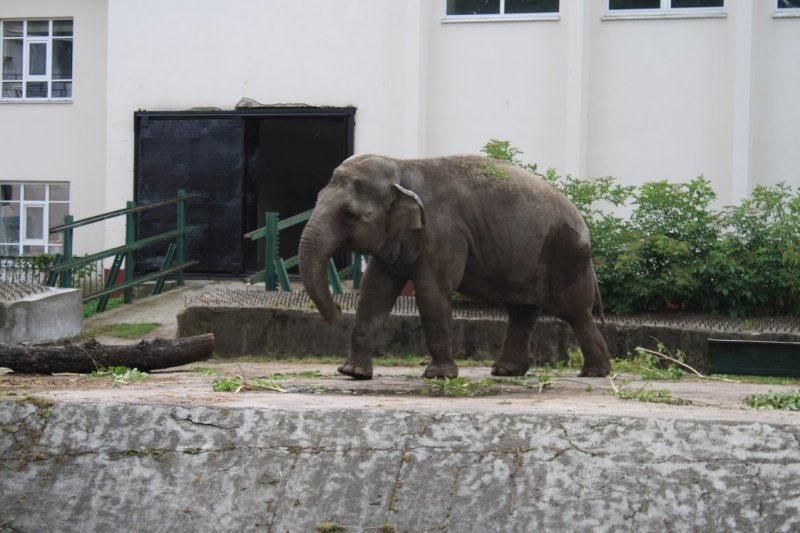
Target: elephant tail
x=599, y=302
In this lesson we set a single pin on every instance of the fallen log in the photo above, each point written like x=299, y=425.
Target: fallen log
x=91, y=355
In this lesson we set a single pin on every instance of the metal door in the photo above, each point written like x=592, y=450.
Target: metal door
x=199, y=154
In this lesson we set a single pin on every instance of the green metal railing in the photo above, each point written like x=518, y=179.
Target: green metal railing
x=65, y=263
x=275, y=271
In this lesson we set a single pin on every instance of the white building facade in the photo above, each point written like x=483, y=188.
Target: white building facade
x=638, y=89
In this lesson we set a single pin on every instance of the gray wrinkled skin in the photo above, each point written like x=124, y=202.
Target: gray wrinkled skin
x=483, y=227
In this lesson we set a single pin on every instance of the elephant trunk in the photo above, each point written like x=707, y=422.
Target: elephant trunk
x=316, y=247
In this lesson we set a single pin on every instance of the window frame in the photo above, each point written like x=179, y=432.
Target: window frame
x=48, y=77
x=501, y=16
x=785, y=12
x=49, y=243
x=665, y=10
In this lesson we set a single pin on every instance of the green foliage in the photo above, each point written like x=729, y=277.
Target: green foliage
x=675, y=252
x=120, y=374
x=788, y=401
x=330, y=527
x=461, y=386
x=240, y=384
x=90, y=308
x=502, y=150
x=228, y=384
x=645, y=394
x=132, y=330
x=652, y=365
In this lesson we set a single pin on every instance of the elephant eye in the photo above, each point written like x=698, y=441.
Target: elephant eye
x=349, y=215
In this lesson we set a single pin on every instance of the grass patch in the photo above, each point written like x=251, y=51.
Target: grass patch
x=133, y=330
x=461, y=386
x=44, y=406
x=241, y=384
x=305, y=374
x=90, y=308
x=645, y=394
x=787, y=401
x=330, y=527
x=121, y=374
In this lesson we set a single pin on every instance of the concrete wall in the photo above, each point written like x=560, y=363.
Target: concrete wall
x=55, y=314
x=117, y=467
x=64, y=141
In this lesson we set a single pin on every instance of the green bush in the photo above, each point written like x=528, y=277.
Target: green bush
x=675, y=252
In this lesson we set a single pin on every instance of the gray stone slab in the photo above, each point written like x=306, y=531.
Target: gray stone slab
x=133, y=467
x=52, y=314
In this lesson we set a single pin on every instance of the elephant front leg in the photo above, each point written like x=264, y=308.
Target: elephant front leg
x=435, y=310
x=379, y=291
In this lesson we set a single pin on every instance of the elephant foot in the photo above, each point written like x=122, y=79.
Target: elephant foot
x=441, y=371
x=595, y=371
x=504, y=369
x=356, y=371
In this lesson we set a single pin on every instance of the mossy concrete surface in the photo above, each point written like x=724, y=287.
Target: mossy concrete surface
x=451, y=466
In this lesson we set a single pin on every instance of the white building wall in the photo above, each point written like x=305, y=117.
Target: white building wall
x=501, y=80
x=184, y=54
x=775, y=111
x=63, y=142
x=659, y=98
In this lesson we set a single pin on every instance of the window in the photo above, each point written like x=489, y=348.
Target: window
x=788, y=4
x=665, y=6
x=37, y=59
x=472, y=8
x=27, y=212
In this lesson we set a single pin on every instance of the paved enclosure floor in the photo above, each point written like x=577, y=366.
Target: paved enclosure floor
x=318, y=386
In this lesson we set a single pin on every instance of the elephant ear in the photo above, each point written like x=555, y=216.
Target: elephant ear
x=406, y=214
x=406, y=211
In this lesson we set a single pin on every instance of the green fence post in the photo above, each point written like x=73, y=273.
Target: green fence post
x=333, y=278
x=66, y=276
x=181, y=251
x=357, y=258
x=270, y=249
x=130, y=237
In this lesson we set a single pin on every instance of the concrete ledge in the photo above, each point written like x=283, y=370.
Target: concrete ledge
x=54, y=314
x=247, y=330
x=123, y=467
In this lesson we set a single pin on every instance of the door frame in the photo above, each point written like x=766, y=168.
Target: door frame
x=142, y=117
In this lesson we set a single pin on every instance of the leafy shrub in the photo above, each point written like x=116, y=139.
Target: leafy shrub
x=676, y=252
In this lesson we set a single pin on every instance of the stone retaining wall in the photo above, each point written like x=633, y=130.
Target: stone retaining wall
x=117, y=467
x=254, y=330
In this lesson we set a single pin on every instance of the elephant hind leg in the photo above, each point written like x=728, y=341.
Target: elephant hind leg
x=596, y=361
x=515, y=354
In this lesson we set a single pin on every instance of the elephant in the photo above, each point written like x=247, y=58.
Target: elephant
x=485, y=228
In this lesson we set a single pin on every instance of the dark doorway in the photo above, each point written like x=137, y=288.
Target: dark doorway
x=289, y=159
x=243, y=164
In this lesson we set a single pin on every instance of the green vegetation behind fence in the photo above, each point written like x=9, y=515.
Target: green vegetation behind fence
x=676, y=252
